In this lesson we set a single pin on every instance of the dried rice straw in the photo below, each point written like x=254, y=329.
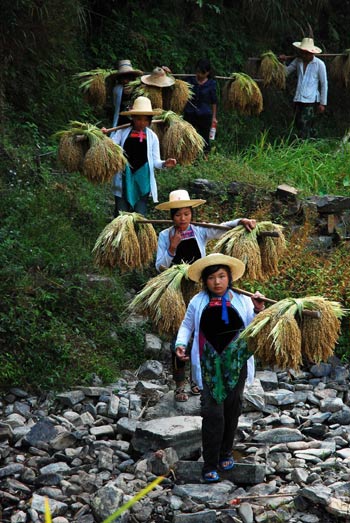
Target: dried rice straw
x=162, y=301
x=340, y=69
x=243, y=95
x=126, y=243
x=275, y=337
x=94, y=86
x=150, y=91
x=180, y=139
x=103, y=158
x=272, y=71
x=180, y=94
x=259, y=254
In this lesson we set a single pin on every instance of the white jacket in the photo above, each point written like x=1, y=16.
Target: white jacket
x=201, y=234
x=309, y=81
x=153, y=158
x=191, y=323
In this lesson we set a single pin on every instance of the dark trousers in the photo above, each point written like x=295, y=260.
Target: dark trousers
x=220, y=422
x=202, y=125
x=121, y=204
x=305, y=115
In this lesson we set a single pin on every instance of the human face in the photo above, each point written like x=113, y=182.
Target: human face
x=306, y=56
x=140, y=122
x=202, y=75
x=218, y=282
x=182, y=218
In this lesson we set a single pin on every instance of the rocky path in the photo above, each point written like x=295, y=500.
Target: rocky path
x=89, y=450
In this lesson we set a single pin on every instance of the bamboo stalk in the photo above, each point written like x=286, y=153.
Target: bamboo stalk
x=127, y=125
x=272, y=234
x=306, y=312
x=237, y=501
x=290, y=57
x=215, y=77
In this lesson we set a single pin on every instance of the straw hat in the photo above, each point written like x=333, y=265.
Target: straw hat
x=125, y=67
x=142, y=106
x=158, y=78
x=179, y=199
x=237, y=267
x=307, y=44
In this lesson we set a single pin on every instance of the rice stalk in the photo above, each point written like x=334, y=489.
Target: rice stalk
x=272, y=71
x=150, y=91
x=241, y=244
x=93, y=85
x=147, y=238
x=243, y=95
x=319, y=336
x=271, y=249
x=340, y=69
x=162, y=301
x=102, y=159
x=180, y=139
x=119, y=245
x=70, y=153
x=180, y=94
x=281, y=335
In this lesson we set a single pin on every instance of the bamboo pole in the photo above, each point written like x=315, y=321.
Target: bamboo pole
x=272, y=234
x=290, y=57
x=215, y=77
x=306, y=312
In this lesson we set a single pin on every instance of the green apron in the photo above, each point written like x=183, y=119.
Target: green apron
x=137, y=184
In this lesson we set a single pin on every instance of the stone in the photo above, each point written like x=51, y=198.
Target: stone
x=42, y=431
x=203, y=516
x=242, y=473
x=331, y=405
x=255, y=395
x=316, y=494
x=102, y=431
x=113, y=406
x=183, y=433
x=71, y=398
x=106, y=501
x=280, y=397
x=268, y=379
x=55, y=468
x=63, y=441
x=57, y=508
x=321, y=370
x=279, y=435
x=126, y=426
x=11, y=470
x=150, y=370
x=153, y=345
x=19, y=517
x=246, y=513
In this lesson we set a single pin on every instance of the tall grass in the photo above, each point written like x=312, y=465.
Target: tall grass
x=314, y=167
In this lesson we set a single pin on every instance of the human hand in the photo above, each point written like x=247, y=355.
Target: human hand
x=175, y=239
x=181, y=353
x=104, y=130
x=166, y=69
x=170, y=162
x=214, y=121
x=248, y=224
x=321, y=108
x=258, y=302
x=282, y=57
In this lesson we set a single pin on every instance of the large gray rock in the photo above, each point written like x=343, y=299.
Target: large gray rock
x=71, y=398
x=241, y=474
x=168, y=407
x=57, y=508
x=44, y=430
x=204, y=516
x=106, y=501
x=202, y=493
x=183, y=433
x=279, y=435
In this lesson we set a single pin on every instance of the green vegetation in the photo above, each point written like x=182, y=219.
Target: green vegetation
x=60, y=319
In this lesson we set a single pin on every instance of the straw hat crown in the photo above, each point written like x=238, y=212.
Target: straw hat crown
x=142, y=106
x=307, y=44
x=125, y=67
x=158, y=78
x=178, y=199
x=236, y=266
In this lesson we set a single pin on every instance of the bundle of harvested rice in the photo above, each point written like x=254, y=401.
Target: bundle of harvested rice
x=150, y=91
x=260, y=254
x=340, y=69
x=180, y=94
x=272, y=71
x=84, y=148
x=180, y=139
x=162, y=301
x=125, y=243
x=93, y=85
x=276, y=338
x=243, y=95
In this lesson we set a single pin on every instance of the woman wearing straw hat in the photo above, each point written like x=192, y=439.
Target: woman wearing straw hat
x=121, y=95
x=220, y=361
x=158, y=78
x=186, y=243
x=132, y=187
x=311, y=92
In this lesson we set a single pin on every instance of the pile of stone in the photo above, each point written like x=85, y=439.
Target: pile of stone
x=90, y=450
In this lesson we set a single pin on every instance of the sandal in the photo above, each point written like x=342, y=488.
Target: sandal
x=227, y=463
x=194, y=389
x=180, y=394
x=211, y=477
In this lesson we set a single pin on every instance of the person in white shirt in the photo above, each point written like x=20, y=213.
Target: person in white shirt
x=312, y=86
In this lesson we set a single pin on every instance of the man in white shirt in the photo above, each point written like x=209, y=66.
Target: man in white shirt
x=312, y=87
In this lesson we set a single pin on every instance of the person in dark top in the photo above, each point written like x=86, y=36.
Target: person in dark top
x=220, y=361
x=200, y=111
x=186, y=243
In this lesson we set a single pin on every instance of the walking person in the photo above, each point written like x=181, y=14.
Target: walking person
x=121, y=92
x=184, y=242
x=220, y=362
x=312, y=86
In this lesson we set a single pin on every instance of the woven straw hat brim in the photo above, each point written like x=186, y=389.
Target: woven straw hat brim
x=163, y=81
x=314, y=49
x=141, y=113
x=236, y=266
x=179, y=204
